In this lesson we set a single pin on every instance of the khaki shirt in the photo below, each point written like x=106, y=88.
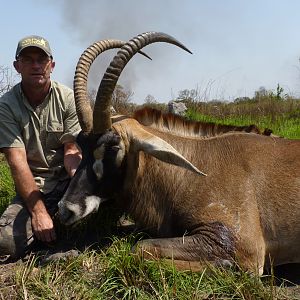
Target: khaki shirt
x=41, y=131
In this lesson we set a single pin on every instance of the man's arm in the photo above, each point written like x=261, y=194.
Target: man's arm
x=42, y=224
x=72, y=158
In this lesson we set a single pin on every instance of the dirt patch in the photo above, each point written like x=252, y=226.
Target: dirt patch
x=7, y=280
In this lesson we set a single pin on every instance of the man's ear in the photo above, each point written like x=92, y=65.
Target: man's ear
x=52, y=66
x=16, y=66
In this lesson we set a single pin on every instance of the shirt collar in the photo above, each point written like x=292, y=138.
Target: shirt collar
x=25, y=100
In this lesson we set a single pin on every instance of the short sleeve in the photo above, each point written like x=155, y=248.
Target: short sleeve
x=71, y=124
x=10, y=134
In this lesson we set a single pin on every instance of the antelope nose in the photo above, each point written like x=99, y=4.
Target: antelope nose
x=64, y=213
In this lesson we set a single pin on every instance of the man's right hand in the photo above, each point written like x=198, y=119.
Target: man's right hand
x=43, y=227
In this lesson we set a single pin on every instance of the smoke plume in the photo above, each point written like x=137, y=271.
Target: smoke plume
x=90, y=21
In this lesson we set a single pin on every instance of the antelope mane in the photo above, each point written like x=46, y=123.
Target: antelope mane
x=174, y=124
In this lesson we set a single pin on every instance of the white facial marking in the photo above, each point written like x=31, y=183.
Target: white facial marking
x=120, y=154
x=98, y=168
x=91, y=205
x=98, y=165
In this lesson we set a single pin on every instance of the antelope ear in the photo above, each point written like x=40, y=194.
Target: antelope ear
x=155, y=146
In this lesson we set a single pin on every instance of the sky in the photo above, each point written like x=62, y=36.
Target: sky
x=238, y=46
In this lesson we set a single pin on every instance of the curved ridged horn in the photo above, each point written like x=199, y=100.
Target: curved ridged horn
x=101, y=115
x=83, y=107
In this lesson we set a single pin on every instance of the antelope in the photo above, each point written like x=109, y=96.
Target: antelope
x=226, y=200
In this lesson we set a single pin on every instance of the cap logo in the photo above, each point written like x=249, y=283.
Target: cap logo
x=33, y=41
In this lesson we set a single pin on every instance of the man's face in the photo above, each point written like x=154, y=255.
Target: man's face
x=35, y=67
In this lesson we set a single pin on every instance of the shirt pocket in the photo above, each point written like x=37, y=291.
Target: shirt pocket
x=54, y=131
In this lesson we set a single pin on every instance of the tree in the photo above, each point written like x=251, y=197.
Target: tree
x=188, y=95
x=261, y=93
x=121, y=99
x=7, y=79
x=277, y=95
x=150, y=100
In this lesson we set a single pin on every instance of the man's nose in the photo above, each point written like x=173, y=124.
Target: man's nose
x=36, y=64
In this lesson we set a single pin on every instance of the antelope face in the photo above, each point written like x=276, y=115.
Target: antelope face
x=96, y=179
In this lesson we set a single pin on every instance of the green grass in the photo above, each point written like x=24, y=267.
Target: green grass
x=116, y=273
x=7, y=191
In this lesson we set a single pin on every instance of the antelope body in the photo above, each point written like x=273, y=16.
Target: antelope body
x=242, y=208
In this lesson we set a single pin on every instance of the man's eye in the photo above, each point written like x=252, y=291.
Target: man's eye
x=30, y=61
x=43, y=60
x=27, y=60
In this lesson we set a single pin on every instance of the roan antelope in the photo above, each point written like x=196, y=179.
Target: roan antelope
x=242, y=208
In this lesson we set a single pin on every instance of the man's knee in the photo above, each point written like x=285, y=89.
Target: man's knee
x=8, y=246
x=15, y=231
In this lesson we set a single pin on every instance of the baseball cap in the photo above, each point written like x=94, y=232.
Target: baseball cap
x=34, y=41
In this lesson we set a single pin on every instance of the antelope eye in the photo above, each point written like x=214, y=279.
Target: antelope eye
x=115, y=148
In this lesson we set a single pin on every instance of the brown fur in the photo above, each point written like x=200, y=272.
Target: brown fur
x=181, y=126
x=252, y=191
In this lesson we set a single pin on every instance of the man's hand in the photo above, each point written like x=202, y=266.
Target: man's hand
x=43, y=227
x=72, y=158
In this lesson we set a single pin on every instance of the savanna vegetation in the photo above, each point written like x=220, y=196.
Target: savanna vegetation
x=109, y=270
